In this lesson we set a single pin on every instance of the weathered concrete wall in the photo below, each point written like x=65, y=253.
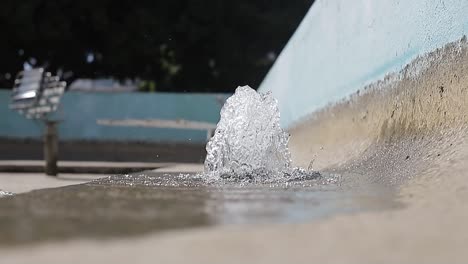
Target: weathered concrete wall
x=406, y=122
x=343, y=45
x=80, y=111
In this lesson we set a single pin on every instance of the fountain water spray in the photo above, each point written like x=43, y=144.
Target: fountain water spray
x=249, y=144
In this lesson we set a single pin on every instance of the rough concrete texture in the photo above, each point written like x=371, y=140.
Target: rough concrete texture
x=422, y=102
x=408, y=131
x=25, y=182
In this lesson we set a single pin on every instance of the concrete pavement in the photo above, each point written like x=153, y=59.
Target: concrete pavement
x=24, y=181
x=84, y=167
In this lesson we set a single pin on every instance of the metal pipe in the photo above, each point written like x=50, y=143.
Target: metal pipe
x=51, y=148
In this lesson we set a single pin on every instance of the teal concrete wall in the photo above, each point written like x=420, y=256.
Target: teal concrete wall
x=343, y=45
x=79, y=112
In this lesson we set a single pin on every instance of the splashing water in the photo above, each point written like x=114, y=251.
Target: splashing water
x=249, y=144
x=5, y=193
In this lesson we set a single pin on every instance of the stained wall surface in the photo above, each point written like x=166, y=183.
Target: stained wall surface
x=342, y=45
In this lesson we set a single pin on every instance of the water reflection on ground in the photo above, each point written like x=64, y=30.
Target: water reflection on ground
x=146, y=202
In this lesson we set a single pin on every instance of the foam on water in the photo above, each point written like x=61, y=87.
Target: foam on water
x=249, y=144
x=5, y=193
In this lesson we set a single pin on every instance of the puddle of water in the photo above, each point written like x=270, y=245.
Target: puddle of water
x=141, y=203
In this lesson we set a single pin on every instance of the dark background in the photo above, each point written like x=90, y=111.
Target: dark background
x=174, y=45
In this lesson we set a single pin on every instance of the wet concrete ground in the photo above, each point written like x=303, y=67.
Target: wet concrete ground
x=128, y=205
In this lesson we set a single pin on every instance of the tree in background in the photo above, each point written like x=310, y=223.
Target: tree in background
x=183, y=45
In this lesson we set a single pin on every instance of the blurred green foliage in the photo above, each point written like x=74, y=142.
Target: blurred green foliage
x=174, y=45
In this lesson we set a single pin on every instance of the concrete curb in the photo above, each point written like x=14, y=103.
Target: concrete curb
x=17, y=166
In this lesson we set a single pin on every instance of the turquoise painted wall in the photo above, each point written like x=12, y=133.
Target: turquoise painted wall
x=81, y=110
x=343, y=45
